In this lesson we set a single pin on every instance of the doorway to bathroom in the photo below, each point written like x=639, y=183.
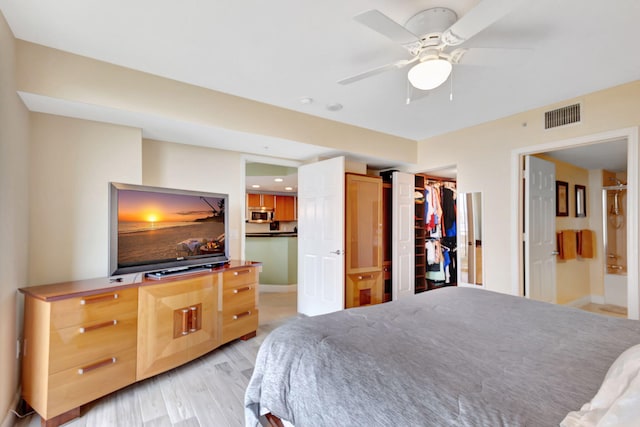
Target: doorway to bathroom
x=581, y=279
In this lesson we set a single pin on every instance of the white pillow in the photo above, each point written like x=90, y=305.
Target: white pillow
x=617, y=403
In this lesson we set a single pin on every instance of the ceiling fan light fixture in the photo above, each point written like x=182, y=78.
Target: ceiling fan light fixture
x=430, y=74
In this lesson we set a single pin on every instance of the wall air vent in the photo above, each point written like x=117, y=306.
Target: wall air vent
x=562, y=116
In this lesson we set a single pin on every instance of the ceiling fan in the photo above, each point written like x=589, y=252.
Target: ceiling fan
x=428, y=35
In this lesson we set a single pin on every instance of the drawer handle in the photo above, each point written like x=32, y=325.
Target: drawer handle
x=185, y=321
x=245, y=289
x=369, y=276
x=194, y=319
x=98, y=299
x=237, y=273
x=106, y=362
x=98, y=326
x=239, y=315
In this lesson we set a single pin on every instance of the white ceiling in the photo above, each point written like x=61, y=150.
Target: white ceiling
x=268, y=184
x=280, y=51
x=611, y=156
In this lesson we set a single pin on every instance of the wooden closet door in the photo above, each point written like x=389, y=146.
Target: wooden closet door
x=363, y=223
x=363, y=234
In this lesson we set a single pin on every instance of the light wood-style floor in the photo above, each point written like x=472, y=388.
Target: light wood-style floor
x=207, y=392
x=606, y=309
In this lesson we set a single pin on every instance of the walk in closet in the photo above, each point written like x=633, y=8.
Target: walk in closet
x=435, y=232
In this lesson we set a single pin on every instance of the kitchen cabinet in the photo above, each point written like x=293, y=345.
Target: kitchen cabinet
x=255, y=200
x=279, y=256
x=285, y=208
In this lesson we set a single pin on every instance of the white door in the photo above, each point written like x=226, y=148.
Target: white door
x=321, y=237
x=402, y=235
x=540, y=230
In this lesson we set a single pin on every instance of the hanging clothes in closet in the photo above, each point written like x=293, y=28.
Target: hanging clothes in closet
x=440, y=224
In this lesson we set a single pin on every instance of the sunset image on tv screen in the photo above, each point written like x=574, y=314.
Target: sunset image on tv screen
x=162, y=226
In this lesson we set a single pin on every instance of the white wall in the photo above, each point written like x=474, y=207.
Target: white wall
x=188, y=167
x=14, y=210
x=72, y=163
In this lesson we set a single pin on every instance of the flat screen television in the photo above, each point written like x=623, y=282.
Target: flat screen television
x=160, y=229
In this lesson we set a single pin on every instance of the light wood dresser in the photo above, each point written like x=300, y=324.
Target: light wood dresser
x=88, y=338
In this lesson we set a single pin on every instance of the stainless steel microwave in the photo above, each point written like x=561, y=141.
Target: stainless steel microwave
x=260, y=215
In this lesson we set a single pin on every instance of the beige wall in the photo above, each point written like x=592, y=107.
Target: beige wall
x=482, y=155
x=61, y=75
x=188, y=167
x=14, y=209
x=72, y=163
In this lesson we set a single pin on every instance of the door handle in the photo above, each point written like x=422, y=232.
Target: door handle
x=555, y=253
x=338, y=252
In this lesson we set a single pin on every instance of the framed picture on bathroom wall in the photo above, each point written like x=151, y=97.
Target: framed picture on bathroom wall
x=581, y=200
x=562, y=198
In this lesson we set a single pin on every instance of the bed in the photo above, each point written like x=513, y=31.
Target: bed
x=448, y=357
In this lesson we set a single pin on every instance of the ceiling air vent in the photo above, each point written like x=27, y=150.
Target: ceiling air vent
x=562, y=116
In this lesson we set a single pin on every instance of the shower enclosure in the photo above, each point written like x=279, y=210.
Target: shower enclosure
x=614, y=208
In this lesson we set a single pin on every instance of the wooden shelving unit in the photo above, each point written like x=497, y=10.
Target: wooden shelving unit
x=420, y=259
x=386, y=235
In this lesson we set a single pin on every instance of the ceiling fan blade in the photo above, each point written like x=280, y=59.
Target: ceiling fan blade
x=386, y=26
x=477, y=19
x=378, y=70
x=492, y=57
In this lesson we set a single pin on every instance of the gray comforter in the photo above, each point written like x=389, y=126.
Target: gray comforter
x=449, y=357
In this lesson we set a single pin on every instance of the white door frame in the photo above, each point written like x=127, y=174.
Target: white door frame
x=252, y=158
x=632, y=135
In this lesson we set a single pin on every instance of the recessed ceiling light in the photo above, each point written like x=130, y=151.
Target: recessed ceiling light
x=336, y=106
x=306, y=100
x=278, y=179
x=255, y=186
x=288, y=188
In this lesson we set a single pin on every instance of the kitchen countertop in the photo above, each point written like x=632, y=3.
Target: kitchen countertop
x=273, y=234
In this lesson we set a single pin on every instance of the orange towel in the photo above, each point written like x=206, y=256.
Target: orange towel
x=559, y=245
x=585, y=243
x=568, y=240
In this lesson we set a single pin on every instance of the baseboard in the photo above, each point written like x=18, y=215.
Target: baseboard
x=279, y=288
x=595, y=299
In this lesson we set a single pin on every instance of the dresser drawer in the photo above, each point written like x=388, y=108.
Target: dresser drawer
x=71, y=388
x=77, y=345
x=240, y=296
x=240, y=322
x=93, y=308
x=241, y=276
